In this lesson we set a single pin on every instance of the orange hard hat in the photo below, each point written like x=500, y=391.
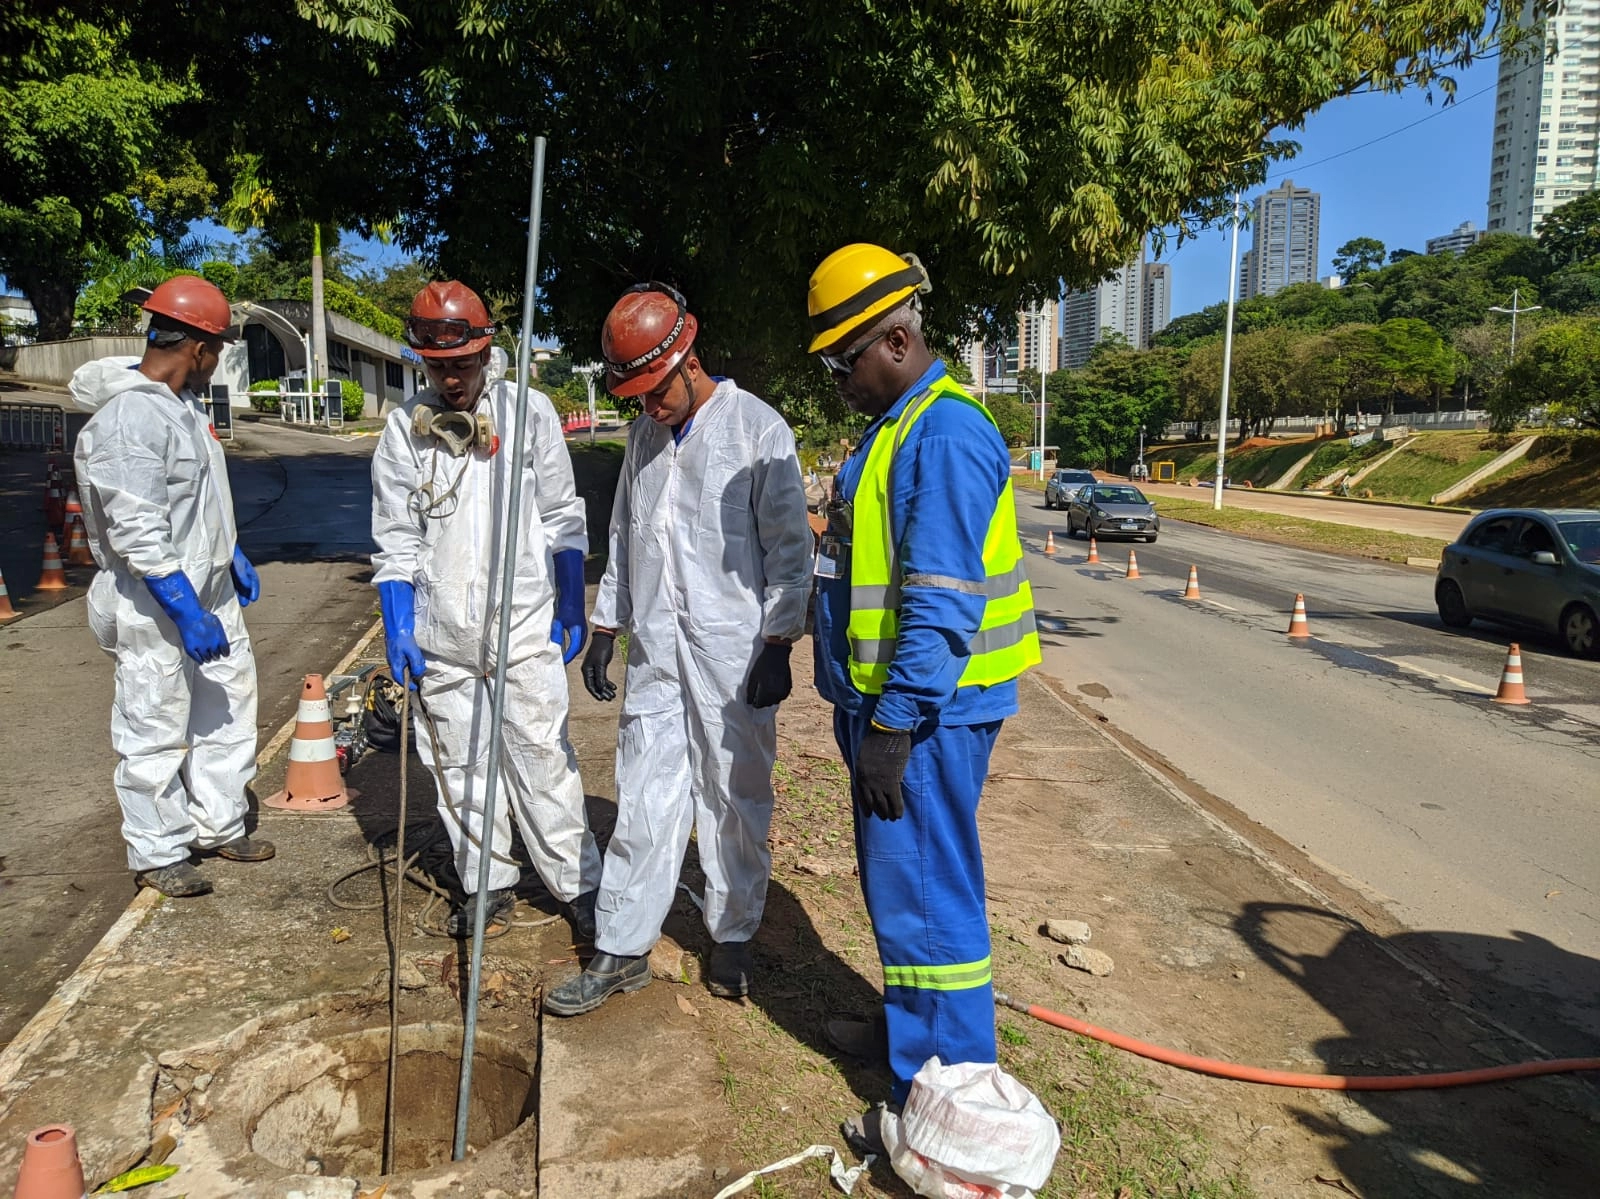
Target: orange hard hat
x=448, y=320
x=647, y=333
x=193, y=302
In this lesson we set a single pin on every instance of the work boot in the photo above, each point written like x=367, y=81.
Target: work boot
x=580, y=914
x=244, y=849
x=864, y=1133
x=729, y=969
x=497, y=914
x=179, y=880
x=867, y=1039
x=603, y=977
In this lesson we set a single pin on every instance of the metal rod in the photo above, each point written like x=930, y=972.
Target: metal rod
x=508, y=576
x=389, y=1119
x=1227, y=354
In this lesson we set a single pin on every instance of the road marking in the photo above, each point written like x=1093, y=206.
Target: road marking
x=1403, y=664
x=1219, y=604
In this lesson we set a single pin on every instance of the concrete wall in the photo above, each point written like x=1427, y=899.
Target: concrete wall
x=54, y=361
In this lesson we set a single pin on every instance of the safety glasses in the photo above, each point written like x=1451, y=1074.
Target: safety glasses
x=844, y=364
x=443, y=333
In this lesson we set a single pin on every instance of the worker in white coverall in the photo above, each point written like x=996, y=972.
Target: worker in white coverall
x=166, y=600
x=441, y=491
x=709, y=571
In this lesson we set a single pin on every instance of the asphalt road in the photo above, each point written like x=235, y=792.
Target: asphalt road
x=1374, y=747
x=303, y=507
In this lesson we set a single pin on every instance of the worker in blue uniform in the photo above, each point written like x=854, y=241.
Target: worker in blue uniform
x=924, y=621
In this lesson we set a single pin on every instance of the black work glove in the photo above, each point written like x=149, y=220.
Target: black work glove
x=770, y=681
x=601, y=647
x=880, y=769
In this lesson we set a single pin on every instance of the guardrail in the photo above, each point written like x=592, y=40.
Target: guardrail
x=32, y=426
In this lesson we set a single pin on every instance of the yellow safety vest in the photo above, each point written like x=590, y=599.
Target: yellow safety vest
x=1007, y=642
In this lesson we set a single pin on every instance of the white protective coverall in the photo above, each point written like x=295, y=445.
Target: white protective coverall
x=710, y=553
x=154, y=487
x=453, y=559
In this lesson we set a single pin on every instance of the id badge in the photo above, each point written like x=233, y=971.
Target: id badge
x=833, y=557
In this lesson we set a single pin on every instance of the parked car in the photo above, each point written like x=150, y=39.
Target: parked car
x=1112, y=510
x=1062, y=484
x=1534, y=567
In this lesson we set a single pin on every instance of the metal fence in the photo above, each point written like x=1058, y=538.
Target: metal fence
x=32, y=426
x=1474, y=419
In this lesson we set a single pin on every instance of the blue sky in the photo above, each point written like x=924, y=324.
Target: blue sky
x=1402, y=190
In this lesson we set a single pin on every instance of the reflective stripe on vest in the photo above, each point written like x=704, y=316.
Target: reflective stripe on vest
x=1007, y=641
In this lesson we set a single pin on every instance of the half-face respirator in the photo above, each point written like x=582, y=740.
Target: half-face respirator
x=458, y=432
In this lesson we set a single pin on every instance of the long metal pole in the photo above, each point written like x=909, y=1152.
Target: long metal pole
x=1044, y=366
x=1227, y=353
x=508, y=576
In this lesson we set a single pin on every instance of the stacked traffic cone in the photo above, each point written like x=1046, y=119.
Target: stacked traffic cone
x=1298, y=627
x=50, y=1165
x=1133, y=565
x=1049, y=541
x=55, y=508
x=1094, y=553
x=52, y=578
x=314, y=783
x=77, y=537
x=1511, y=691
x=1192, y=591
x=7, y=612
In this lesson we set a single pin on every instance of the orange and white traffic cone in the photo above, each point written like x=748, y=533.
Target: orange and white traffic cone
x=1094, y=553
x=1133, y=565
x=52, y=578
x=1511, y=691
x=1298, y=627
x=314, y=783
x=78, y=553
x=70, y=512
x=51, y=1168
x=1049, y=541
x=55, y=506
x=7, y=612
x=1192, y=591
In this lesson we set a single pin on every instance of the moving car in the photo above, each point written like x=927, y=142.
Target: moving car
x=1062, y=484
x=1112, y=510
x=1534, y=567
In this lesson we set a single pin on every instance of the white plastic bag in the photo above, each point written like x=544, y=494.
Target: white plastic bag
x=971, y=1131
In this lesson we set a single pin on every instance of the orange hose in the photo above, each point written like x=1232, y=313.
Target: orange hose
x=1286, y=1078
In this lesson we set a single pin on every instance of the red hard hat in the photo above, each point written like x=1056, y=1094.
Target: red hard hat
x=448, y=320
x=192, y=301
x=646, y=335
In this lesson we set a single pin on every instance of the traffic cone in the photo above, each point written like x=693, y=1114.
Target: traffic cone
x=1297, y=623
x=50, y=1165
x=1511, y=691
x=55, y=507
x=1192, y=591
x=314, y=783
x=52, y=578
x=1133, y=565
x=7, y=612
x=78, y=545
x=1094, y=553
x=1049, y=541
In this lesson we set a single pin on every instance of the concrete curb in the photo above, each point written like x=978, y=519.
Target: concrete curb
x=48, y=1018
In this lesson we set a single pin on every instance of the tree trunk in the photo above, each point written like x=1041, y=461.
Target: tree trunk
x=319, y=328
x=53, y=299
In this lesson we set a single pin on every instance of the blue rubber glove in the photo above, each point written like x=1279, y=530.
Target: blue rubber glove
x=204, y=638
x=569, y=629
x=399, y=603
x=245, y=580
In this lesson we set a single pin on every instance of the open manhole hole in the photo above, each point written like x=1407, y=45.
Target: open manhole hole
x=318, y=1109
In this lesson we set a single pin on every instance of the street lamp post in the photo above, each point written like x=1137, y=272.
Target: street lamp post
x=1141, y=452
x=1516, y=297
x=1044, y=320
x=589, y=371
x=1227, y=352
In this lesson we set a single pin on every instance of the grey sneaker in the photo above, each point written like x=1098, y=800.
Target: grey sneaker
x=179, y=881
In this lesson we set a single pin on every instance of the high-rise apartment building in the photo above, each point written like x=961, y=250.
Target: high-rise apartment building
x=1458, y=241
x=1546, y=119
x=1038, y=337
x=1115, y=305
x=1283, y=241
x=1155, y=301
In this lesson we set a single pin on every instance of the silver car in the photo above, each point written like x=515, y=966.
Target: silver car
x=1112, y=510
x=1535, y=567
x=1063, y=485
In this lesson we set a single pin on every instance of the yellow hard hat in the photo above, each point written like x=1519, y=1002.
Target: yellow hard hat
x=855, y=284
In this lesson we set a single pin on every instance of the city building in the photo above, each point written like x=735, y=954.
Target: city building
x=1331, y=282
x=1283, y=241
x=1114, y=305
x=1457, y=241
x=1155, y=301
x=1039, y=337
x=1546, y=117
x=387, y=370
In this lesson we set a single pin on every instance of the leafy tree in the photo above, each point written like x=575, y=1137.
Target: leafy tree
x=1570, y=235
x=393, y=288
x=1558, y=368
x=1573, y=289
x=1358, y=256
x=1414, y=359
x=1016, y=420
x=1097, y=410
x=1482, y=354
x=1401, y=255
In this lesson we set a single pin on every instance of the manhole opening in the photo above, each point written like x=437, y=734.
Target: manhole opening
x=321, y=1106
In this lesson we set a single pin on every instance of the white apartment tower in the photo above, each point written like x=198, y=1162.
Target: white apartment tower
x=1155, y=302
x=1037, y=337
x=1115, y=305
x=1546, y=118
x=1283, y=241
x=1458, y=241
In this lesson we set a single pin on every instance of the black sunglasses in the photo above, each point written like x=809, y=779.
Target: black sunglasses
x=845, y=363
x=443, y=333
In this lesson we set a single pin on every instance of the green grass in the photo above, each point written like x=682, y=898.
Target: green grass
x=1562, y=470
x=1307, y=534
x=1335, y=454
x=1430, y=464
